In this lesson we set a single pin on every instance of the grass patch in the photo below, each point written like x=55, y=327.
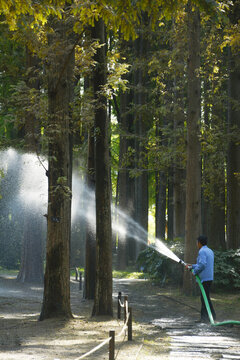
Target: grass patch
x=8, y=272
x=117, y=274
x=73, y=271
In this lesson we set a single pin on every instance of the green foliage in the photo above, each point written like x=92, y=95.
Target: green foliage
x=11, y=71
x=8, y=272
x=227, y=269
x=73, y=271
x=117, y=274
x=163, y=270
x=15, y=12
x=160, y=268
x=27, y=101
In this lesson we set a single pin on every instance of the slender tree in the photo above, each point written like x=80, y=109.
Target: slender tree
x=233, y=215
x=193, y=175
x=179, y=173
x=123, y=180
x=90, y=248
x=103, y=291
x=31, y=268
x=141, y=123
x=160, y=222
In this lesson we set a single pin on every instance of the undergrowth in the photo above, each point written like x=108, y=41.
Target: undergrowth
x=164, y=271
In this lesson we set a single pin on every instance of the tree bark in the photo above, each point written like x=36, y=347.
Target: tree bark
x=123, y=177
x=193, y=174
x=179, y=201
x=31, y=268
x=103, y=291
x=233, y=173
x=160, y=216
x=141, y=122
x=56, y=299
x=32, y=125
x=90, y=250
x=170, y=209
x=213, y=208
x=179, y=173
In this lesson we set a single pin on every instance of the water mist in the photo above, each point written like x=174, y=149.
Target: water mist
x=24, y=191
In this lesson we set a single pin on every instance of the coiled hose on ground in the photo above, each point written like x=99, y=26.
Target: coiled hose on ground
x=212, y=322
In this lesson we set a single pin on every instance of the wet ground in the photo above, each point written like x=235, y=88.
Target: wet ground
x=174, y=315
x=163, y=325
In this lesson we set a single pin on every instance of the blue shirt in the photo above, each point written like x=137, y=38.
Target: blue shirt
x=205, y=264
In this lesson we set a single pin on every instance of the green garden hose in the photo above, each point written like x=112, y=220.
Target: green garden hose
x=209, y=310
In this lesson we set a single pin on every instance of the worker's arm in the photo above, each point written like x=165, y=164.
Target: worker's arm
x=200, y=265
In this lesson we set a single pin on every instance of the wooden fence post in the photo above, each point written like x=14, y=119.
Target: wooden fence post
x=76, y=273
x=119, y=305
x=129, y=324
x=80, y=281
x=111, y=344
x=125, y=307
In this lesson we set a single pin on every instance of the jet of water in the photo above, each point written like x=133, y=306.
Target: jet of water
x=32, y=194
x=137, y=232
x=164, y=250
x=84, y=206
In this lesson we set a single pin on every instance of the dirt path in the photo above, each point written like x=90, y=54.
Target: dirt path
x=163, y=326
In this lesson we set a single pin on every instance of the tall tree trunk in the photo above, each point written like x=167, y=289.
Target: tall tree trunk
x=170, y=210
x=215, y=221
x=56, y=299
x=123, y=177
x=141, y=214
x=213, y=208
x=161, y=195
x=193, y=175
x=233, y=182
x=179, y=173
x=90, y=251
x=103, y=291
x=31, y=268
x=32, y=126
x=179, y=201
x=233, y=214
x=130, y=189
x=160, y=216
x=141, y=126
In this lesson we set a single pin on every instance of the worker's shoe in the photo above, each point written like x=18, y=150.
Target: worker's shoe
x=202, y=321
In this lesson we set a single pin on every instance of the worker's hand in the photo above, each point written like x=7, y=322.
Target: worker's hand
x=188, y=267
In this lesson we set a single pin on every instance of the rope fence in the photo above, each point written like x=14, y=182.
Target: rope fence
x=111, y=340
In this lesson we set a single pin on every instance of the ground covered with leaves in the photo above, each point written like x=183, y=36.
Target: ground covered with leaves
x=155, y=311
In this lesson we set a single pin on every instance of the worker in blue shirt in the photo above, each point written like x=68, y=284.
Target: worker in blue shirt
x=204, y=268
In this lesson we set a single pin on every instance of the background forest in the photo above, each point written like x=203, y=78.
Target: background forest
x=126, y=115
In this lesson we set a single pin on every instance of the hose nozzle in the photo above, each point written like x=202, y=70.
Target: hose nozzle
x=182, y=262
x=189, y=267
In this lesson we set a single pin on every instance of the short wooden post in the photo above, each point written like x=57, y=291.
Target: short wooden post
x=129, y=324
x=111, y=344
x=125, y=307
x=76, y=273
x=80, y=281
x=119, y=305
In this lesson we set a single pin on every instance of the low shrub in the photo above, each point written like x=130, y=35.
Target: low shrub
x=163, y=271
x=159, y=268
x=227, y=269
